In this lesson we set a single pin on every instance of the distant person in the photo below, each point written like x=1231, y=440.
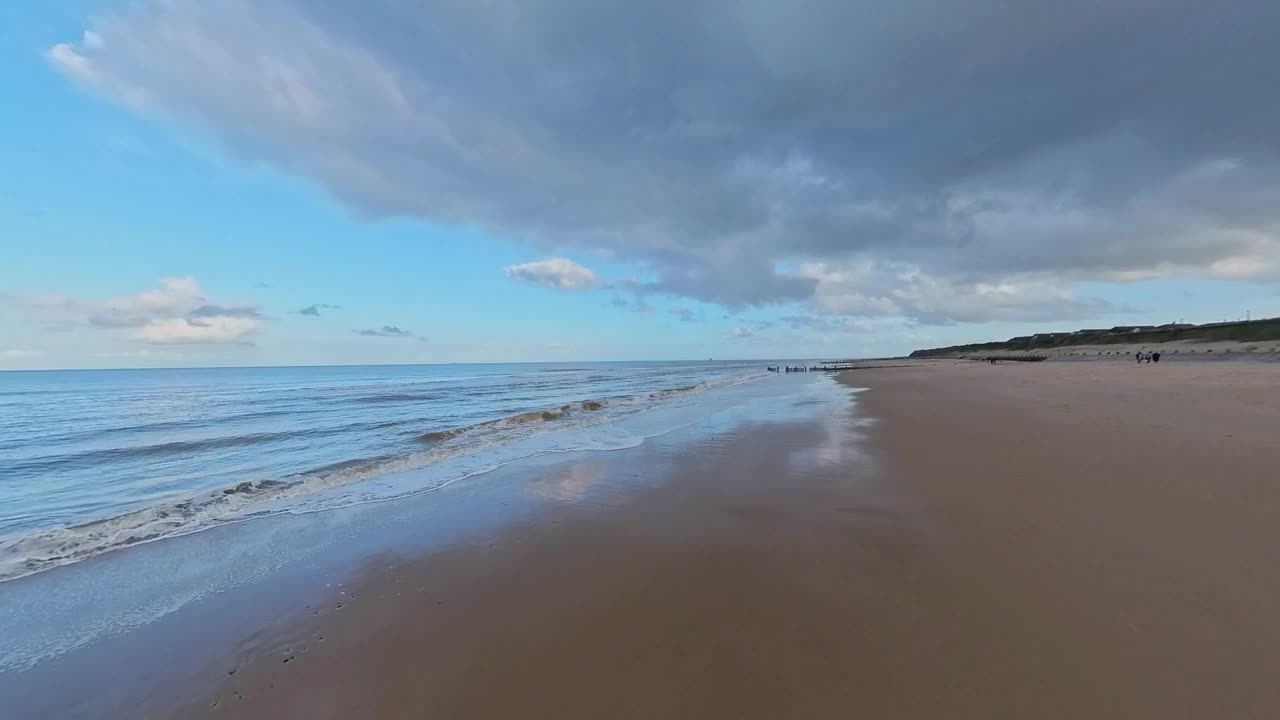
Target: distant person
x=1155, y=357
x=1148, y=356
x=1138, y=355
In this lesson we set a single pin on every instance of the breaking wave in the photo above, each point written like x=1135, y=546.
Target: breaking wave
x=488, y=444
x=533, y=416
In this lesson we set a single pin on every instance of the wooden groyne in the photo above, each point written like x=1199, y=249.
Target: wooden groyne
x=812, y=368
x=1014, y=357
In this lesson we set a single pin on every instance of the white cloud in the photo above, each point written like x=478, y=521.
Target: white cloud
x=558, y=273
x=871, y=289
x=175, y=297
x=176, y=312
x=181, y=331
x=77, y=65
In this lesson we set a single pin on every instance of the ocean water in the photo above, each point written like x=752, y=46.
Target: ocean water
x=93, y=461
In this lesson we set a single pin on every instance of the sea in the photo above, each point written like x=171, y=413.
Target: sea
x=93, y=461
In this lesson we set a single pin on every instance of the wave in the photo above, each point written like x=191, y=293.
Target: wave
x=88, y=458
x=85, y=458
x=524, y=418
x=562, y=412
x=27, y=554
x=396, y=398
x=674, y=391
x=161, y=426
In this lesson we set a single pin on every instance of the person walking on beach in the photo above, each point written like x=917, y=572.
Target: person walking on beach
x=1155, y=357
x=1138, y=355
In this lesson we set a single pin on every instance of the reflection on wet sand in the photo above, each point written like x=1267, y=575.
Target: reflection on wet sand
x=715, y=577
x=571, y=484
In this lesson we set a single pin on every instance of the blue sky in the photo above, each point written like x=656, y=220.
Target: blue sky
x=163, y=234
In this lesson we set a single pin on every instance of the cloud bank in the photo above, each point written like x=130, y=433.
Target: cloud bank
x=955, y=162
x=175, y=313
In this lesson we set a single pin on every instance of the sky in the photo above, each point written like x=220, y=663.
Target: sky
x=281, y=182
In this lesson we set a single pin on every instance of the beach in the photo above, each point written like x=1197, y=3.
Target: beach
x=1048, y=540
x=961, y=540
x=1108, y=530
x=730, y=360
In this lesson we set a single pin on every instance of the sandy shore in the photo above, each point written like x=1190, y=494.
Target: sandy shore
x=1023, y=541
x=726, y=591
x=1110, y=529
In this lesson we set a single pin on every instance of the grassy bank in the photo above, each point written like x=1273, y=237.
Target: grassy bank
x=1250, y=331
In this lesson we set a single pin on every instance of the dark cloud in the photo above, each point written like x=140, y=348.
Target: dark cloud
x=314, y=310
x=237, y=311
x=635, y=304
x=385, y=331
x=825, y=323
x=985, y=150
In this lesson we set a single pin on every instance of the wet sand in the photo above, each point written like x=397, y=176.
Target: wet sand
x=712, y=594
x=1023, y=541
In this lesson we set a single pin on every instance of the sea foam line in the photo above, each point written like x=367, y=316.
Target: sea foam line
x=42, y=550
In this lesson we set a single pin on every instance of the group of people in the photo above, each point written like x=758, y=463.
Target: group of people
x=1147, y=356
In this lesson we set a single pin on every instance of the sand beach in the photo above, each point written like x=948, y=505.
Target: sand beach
x=1050, y=540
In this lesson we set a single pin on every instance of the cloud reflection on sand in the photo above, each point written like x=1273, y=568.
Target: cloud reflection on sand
x=573, y=483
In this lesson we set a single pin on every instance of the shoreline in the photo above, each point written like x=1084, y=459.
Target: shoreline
x=1052, y=554
x=613, y=606
x=1056, y=540
x=222, y=595
x=426, y=452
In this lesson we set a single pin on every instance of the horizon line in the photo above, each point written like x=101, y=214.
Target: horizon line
x=421, y=364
